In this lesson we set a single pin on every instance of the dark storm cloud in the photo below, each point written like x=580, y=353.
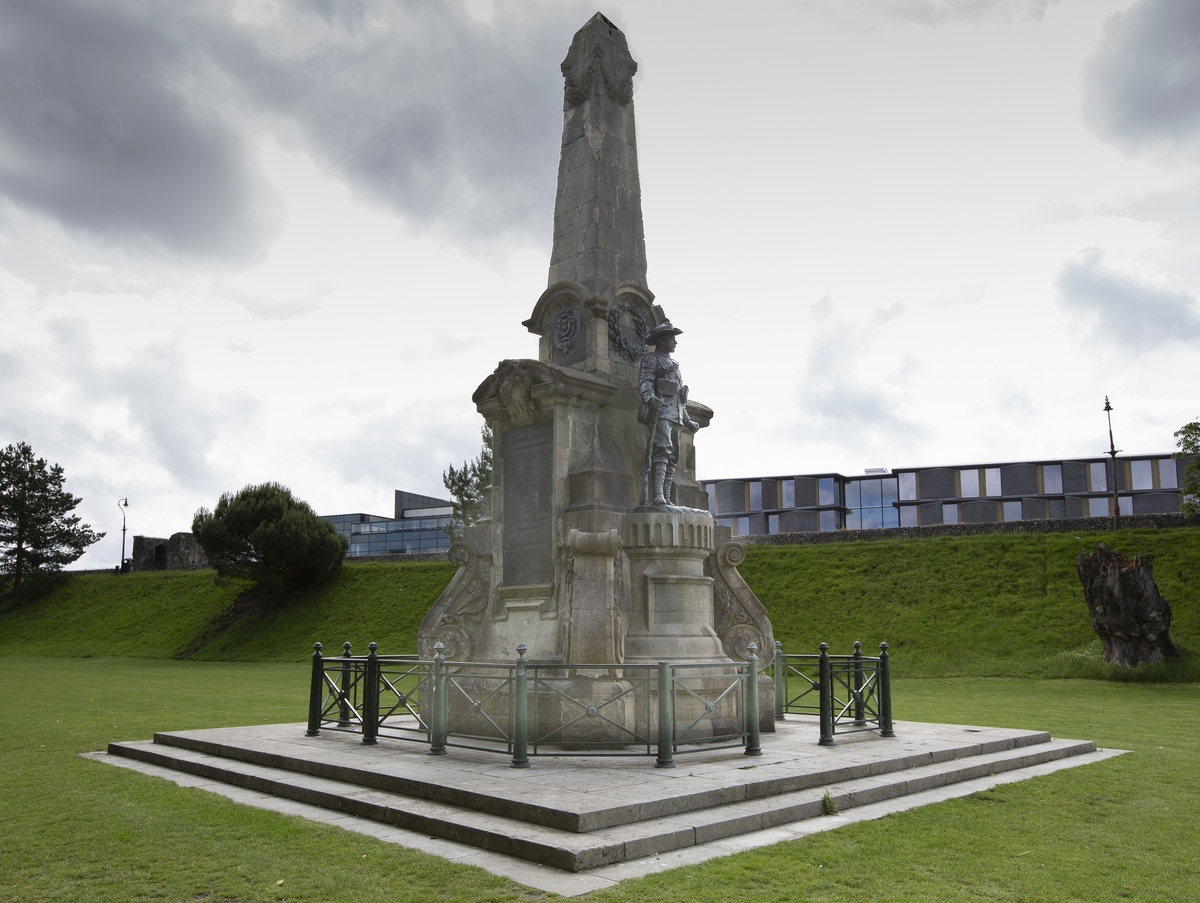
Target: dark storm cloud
x=448, y=121
x=134, y=122
x=103, y=130
x=1124, y=309
x=1144, y=82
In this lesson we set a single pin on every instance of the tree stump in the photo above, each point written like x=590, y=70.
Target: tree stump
x=1128, y=613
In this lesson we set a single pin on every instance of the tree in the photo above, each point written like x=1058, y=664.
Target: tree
x=1187, y=438
x=467, y=485
x=266, y=534
x=38, y=532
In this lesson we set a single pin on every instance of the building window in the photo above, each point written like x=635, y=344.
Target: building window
x=828, y=521
x=1166, y=474
x=852, y=494
x=908, y=514
x=1099, y=507
x=825, y=491
x=1142, y=473
x=991, y=481
x=789, y=494
x=1057, y=508
x=908, y=488
x=773, y=524
x=1098, y=471
x=743, y=526
x=853, y=519
x=1051, y=478
x=949, y=514
x=870, y=494
x=1125, y=503
x=968, y=480
x=1012, y=511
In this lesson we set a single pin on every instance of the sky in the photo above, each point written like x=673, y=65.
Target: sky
x=252, y=240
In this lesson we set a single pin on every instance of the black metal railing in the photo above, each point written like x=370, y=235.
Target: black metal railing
x=524, y=709
x=846, y=692
x=521, y=708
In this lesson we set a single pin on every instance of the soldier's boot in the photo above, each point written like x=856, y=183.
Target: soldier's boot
x=668, y=484
x=659, y=476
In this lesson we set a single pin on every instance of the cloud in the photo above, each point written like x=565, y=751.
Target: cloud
x=104, y=129
x=135, y=123
x=1144, y=82
x=145, y=410
x=447, y=120
x=831, y=391
x=1125, y=309
x=937, y=12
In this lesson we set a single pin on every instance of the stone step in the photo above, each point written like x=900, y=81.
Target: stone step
x=630, y=838
x=341, y=757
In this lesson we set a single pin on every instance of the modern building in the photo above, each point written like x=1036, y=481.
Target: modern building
x=418, y=525
x=966, y=493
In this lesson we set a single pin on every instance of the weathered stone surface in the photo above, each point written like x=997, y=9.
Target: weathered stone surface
x=1128, y=613
x=179, y=553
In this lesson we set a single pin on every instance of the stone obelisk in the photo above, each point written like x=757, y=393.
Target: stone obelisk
x=568, y=557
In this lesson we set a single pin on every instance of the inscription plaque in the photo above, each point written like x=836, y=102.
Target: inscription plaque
x=527, y=457
x=679, y=599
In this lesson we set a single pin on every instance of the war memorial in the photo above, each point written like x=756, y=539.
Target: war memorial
x=597, y=633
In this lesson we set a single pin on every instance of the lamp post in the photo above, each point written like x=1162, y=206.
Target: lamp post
x=122, y=504
x=1112, y=451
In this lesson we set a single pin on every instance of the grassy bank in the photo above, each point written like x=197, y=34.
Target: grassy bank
x=74, y=829
x=1000, y=605
x=996, y=605
x=188, y=615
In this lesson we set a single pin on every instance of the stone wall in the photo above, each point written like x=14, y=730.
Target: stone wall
x=1062, y=525
x=399, y=557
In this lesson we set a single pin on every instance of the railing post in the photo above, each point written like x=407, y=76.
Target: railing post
x=520, y=726
x=885, y=692
x=666, y=718
x=753, y=746
x=370, y=710
x=441, y=716
x=343, y=698
x=779, y=697
x=825, y=690
x=316, y=693
x=859, y=713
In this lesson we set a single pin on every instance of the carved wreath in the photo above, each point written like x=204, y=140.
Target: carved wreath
x=616, y=335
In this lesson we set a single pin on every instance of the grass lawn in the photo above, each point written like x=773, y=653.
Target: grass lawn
x=73, y=829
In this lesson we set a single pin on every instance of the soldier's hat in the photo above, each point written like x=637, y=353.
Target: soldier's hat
x=662, y=329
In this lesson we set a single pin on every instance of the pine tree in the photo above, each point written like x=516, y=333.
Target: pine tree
x=466, y=485
x=266, y=534
x=1187, y=438
x=38, y=532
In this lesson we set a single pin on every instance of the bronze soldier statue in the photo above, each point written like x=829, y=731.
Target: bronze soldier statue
x=664, y=409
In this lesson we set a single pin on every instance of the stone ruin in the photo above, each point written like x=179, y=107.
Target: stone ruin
x=179, y=553
x=571, y=556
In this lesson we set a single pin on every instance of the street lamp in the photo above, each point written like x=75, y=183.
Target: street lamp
x=122, y=504
x=1112, y=451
